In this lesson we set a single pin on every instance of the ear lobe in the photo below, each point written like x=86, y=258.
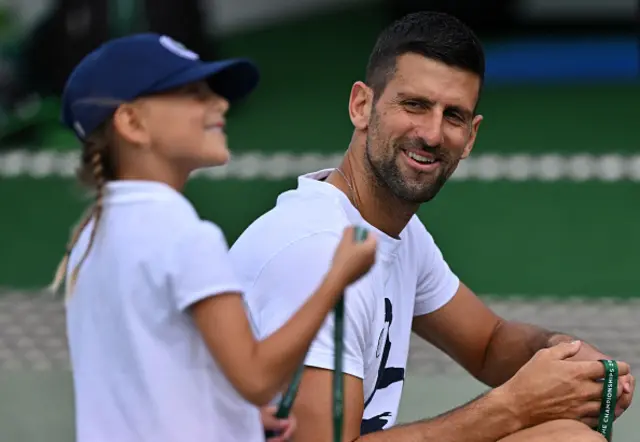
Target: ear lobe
x=360, y=103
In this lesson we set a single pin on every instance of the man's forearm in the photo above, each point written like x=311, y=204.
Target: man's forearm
x=511, y=346
x=486, y=419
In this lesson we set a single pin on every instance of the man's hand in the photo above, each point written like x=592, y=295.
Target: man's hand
x=284, y=428
x=550, y=387
x=589, y=353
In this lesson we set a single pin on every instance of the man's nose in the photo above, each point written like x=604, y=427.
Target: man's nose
x=430, y=129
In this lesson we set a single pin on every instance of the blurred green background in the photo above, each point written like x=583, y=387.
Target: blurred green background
x=565, y=236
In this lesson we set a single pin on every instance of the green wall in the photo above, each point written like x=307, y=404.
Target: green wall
x=561, y=238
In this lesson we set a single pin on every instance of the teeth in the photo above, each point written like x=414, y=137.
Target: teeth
x=420, y=158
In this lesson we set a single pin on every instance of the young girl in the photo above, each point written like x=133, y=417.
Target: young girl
x=161, y=347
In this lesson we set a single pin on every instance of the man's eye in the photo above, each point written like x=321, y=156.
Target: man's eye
x=455, y=117
x=414, y=105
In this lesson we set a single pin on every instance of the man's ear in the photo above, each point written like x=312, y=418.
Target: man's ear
x=360, y=105
x=475, y=125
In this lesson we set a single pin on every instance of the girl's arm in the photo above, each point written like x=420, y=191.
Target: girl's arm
x=260, y=369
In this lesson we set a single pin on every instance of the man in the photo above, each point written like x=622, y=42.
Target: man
x=415, y=119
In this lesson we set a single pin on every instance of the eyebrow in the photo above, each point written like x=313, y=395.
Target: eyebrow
x=467, y=113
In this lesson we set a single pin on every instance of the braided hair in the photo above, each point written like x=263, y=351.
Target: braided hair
x=96, y=169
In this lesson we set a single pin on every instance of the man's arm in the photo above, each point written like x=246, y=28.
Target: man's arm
x=486, y=419
x=490, y=348
x=547, y=388
x=313, y=407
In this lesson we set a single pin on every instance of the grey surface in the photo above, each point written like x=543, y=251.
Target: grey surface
x=36, y=397
x=613, y=326
x=32, y=330
x=32, y=333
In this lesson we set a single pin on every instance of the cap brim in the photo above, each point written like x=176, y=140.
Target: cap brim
x=233, y=79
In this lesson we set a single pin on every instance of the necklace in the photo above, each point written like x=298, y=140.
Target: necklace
x=352, y=191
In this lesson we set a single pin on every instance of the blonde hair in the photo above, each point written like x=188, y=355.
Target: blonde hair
x=96, y=168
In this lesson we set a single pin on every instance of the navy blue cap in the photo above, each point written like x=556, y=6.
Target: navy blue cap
x=129, y=67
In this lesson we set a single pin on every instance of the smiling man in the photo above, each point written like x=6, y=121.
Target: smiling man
x=414, y=120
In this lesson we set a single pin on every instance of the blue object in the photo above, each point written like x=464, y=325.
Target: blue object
x=552, y=60
x=129, y=67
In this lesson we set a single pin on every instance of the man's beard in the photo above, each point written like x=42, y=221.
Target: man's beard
x=387, y=172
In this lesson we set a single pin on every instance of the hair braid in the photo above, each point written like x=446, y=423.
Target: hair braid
x=94, y=162
x=61, y=271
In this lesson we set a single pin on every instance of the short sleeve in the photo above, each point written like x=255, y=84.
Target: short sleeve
x=288, y=280
x=437, y=284
x=200, y=265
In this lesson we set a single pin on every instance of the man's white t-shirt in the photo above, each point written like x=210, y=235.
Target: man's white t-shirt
x=283, y=256
x=141, y=369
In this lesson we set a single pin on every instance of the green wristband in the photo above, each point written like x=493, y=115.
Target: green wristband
x=609, y=398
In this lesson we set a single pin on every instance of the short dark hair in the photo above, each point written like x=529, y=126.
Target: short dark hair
x=434, y=35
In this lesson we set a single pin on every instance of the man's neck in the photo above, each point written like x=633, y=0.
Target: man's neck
x=377, y=205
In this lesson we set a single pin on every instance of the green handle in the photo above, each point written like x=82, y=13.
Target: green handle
x=286, y=403
x=360, y=235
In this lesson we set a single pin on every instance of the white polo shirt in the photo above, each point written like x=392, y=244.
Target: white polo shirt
x=141, y=369
x=283, y=256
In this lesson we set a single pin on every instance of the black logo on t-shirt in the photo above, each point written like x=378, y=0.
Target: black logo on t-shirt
x=386, y=376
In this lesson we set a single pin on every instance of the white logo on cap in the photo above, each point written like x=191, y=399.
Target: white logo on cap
x=177, y=48
x=79, y=129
